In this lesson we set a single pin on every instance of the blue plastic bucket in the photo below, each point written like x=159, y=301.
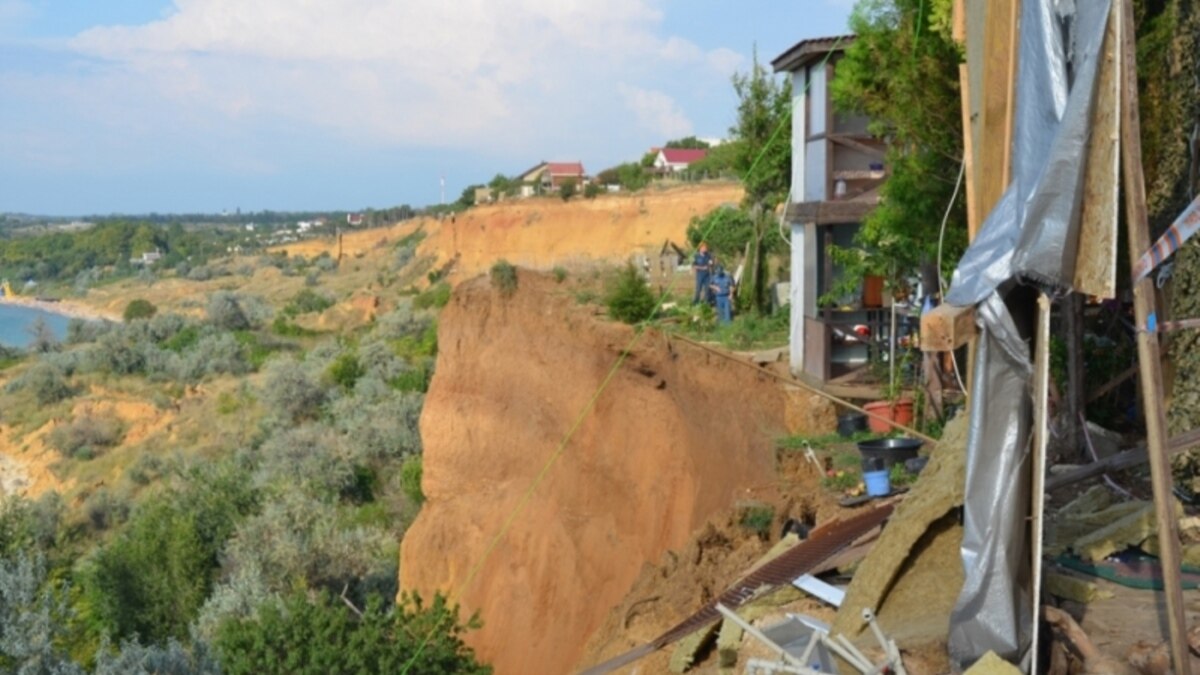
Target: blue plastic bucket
x=878, y=483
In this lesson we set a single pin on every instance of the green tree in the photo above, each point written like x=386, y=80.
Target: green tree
x=139, y=308
x=325, y=636
x=902, y=72
x=503, y=185
x=763, y=158
x=629, y=298
x=687, y=143
x=152, y=579
x=467, y=198
x=567, y=189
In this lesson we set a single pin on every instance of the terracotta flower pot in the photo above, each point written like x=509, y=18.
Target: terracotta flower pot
x=900, y=412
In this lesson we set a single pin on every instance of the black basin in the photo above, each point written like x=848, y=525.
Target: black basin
x=890, y=450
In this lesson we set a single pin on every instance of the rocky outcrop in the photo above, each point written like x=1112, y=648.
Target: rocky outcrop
x=672, y=439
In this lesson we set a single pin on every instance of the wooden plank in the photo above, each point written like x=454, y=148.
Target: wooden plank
x=829, y=213
x=964, y=80
x=1072, y=315
x=1126, y=459
x=816, y=348
x=1041, y=427
x=1096, y=261
x=1148, y=346
x=994, y=161
x=958, y=29
x=947, y=328
x=854, y=144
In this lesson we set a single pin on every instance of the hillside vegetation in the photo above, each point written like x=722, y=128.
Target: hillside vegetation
x=222, y=481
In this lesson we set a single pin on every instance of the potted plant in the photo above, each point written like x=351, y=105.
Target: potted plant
x=894, y=406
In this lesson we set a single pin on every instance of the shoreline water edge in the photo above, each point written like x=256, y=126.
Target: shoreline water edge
x=71, y=310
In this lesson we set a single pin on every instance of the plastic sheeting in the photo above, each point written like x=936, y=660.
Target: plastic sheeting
x=1031, y=235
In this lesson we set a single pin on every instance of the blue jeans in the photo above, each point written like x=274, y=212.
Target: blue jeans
x=701, y=287
x=724, y=311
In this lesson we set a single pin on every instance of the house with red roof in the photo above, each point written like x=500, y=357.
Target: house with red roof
x=550, y=176
x=674, y=160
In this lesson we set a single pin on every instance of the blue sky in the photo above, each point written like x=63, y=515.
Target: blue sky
x=145, y=106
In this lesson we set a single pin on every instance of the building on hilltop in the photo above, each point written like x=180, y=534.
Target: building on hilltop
x=837, y=168
x=675, y=160
x=550, y=176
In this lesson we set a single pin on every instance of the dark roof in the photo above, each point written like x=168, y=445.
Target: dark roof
x=805, y=52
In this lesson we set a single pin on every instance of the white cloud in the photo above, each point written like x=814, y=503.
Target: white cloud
x=398, y=72
x=656, y=111
x=725, y=61
x=14, y=13
x=250, y=88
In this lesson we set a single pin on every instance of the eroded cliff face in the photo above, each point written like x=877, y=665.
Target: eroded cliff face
x=673, y=439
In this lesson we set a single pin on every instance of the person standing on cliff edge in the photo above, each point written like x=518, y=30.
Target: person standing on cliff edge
x=701, y=264
x=722, y=288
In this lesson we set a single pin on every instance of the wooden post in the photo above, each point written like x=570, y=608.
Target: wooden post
x=1148, y=347
x=1041, y=433
x=1076, y=397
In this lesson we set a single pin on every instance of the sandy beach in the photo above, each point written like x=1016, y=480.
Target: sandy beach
x=66, y=308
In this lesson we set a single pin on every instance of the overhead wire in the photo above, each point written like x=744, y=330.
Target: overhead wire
x=527, y=495
x=962, y=169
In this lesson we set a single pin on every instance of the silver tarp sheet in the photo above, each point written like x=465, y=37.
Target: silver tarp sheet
x=1031, y=235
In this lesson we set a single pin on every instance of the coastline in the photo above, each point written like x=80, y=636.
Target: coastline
x=72, y=310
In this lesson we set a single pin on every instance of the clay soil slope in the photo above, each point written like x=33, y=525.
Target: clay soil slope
x=543, y=232
x=675, y=438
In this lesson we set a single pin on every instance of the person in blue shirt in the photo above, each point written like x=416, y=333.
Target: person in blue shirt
x=702, y=264
x=722, y=289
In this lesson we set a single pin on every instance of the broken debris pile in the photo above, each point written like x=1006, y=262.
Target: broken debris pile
x=913, y=574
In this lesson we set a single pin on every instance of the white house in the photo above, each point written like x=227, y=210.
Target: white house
x=837, y=167
x=674, y=160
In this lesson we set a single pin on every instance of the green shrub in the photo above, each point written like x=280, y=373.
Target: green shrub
x=345, y=370
x=284, y=328
x=591, y=191
x=410, y=479
x=152, y=578
x=47, y=383
x=182, y=340
x=86, y=436
x=318, y=636
x=560, y=274
x=413, y=379
x=504, y=277
x=139, y=309
x=290, y=394
x=435, y=297
x=757, y=518
x=104, y=510
x=307, y=301
x=225, y=311
x=567, y=189
x=629, y=299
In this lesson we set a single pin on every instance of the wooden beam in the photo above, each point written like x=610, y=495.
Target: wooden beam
x=853, y=144
x=1148, y=346
x=964, y=80
x=1126, y=459
x=1041, y=441
x=994, y=160
x=1112, y=384
x=958, y=29
x=829, y=213
x=1096, y=260
x=947, y=328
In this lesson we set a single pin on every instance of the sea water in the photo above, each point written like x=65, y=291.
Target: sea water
x=16, y=320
